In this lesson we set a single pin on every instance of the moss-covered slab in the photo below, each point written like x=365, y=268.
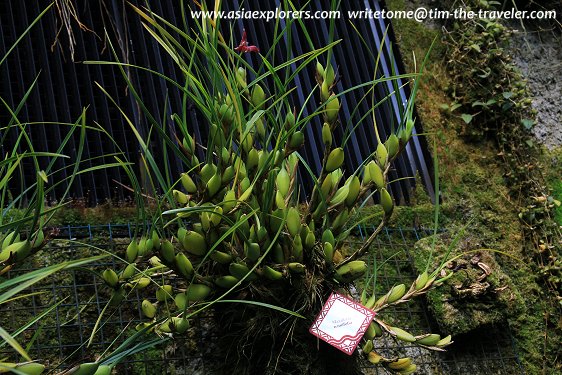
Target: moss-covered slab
x=477, y=295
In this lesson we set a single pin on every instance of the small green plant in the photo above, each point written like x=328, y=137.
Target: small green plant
x=486, y=95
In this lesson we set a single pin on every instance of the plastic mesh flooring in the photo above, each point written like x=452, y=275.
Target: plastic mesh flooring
x=60, y=338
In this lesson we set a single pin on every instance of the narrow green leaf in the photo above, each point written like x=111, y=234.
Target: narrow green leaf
x=267, y=305
x=14, y=344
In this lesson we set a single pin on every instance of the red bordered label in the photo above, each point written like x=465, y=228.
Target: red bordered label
x=342, y=323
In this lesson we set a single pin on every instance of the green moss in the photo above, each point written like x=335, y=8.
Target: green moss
x=555, y=182
x=557, y=194
x=76, y=215
x=414, y=38
x=148, y=361
x=476, y=195
x=477, y=295
x=403, y=216
x=102, y=214
x=420, y=214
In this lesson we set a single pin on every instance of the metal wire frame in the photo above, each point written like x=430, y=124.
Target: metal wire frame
x=64, y=333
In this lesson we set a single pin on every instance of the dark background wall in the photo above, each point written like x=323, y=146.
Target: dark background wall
x=65, y=86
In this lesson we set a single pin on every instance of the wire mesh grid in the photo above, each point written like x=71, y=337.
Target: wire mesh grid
x=60, y=338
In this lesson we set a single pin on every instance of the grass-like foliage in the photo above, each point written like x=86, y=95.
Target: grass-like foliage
x=25, y=215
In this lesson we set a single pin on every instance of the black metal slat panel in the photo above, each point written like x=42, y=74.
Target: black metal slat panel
x=107, y=113
x=96, y=183
x=21, y=72
x=53, y=101
x=392, y=107
x=305, y=84
x=417, y=150
x=355, y=71
x=35, y=112
x=422, y=158
x=174, y=95
x=171, y=11
x=388, y=114
x=67, y=96
x=124, y=49
x=355, y=67
x=318, y=32
x=114, y=83
x=6, y=138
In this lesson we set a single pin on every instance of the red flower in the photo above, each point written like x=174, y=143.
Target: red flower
x=244, y=47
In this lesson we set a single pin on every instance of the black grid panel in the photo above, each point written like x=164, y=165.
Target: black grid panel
x=63, y=334
x=65, y=87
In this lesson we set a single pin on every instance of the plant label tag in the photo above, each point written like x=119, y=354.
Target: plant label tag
x=342, y=323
